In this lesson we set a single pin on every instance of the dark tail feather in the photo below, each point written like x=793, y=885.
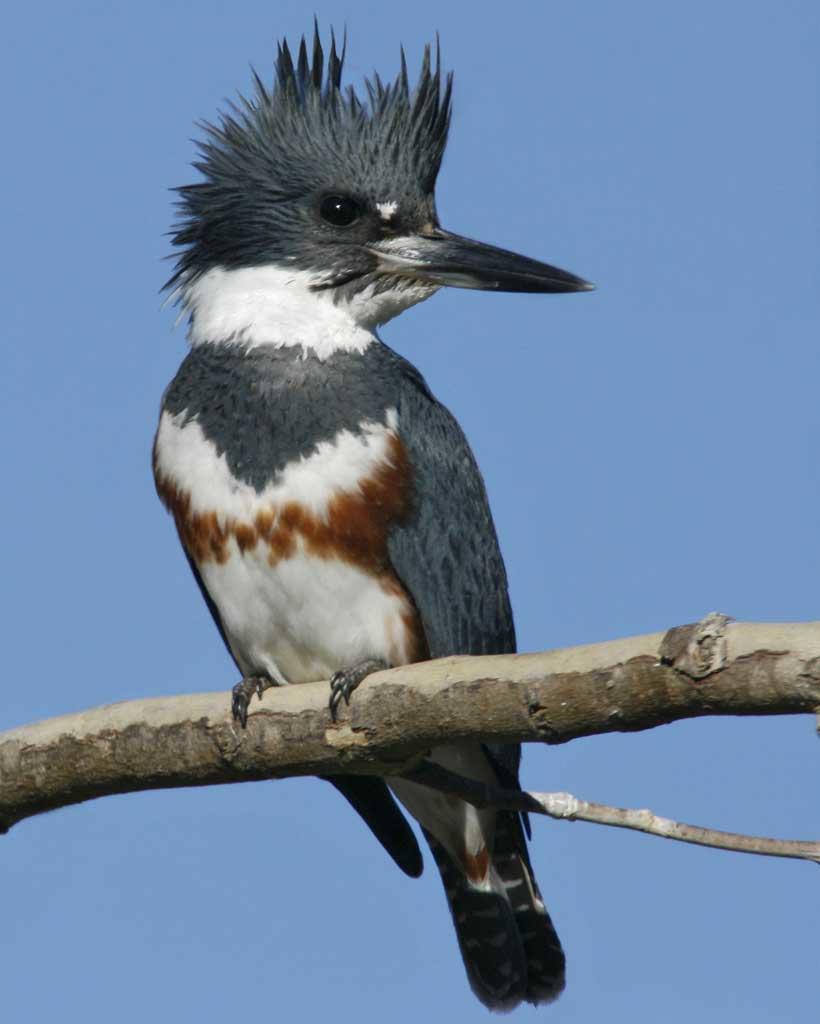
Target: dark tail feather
x=370, y=797
x=542, y=947
x=509, y=946
x=487, y=936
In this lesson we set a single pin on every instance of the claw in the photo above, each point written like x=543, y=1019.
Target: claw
x=344, y=682
x=340, y=688
x=242, y=694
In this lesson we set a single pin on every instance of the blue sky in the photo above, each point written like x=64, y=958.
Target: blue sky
x=649, y=449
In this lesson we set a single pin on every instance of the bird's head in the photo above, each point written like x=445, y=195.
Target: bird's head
x=338, y=191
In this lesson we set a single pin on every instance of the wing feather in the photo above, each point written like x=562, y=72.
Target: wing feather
x=446, y=551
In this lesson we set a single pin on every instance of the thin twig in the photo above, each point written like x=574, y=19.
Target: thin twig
x=571, y=808
x=564, y=805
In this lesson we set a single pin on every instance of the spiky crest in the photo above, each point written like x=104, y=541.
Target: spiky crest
x=302, y=135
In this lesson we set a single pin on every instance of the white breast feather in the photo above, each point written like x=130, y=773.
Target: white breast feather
x=191, y=461
x=304, y=617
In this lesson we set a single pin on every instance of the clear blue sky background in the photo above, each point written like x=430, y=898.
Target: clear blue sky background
x=650, y=452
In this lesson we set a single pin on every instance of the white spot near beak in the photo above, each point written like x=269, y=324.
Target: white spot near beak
x=387, y=210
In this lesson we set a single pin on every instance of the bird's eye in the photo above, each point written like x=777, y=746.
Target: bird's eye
x=340, y=211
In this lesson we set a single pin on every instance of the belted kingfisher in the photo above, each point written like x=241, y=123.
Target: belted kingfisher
x=330, y=507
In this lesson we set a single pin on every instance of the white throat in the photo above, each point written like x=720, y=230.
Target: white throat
x=269, y=305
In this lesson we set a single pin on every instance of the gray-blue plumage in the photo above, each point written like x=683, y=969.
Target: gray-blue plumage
x=267, y=407
x=446, y=553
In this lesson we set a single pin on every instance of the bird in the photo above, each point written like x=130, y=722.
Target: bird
x=329, y=506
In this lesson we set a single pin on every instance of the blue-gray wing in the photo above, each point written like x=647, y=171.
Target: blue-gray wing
x=446, y=551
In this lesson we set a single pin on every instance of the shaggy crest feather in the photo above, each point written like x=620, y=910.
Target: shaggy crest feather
x=303, y=137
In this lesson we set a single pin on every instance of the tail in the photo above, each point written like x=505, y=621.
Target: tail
x=509, y=946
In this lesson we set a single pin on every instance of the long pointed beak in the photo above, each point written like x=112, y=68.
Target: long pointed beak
x=444, y=259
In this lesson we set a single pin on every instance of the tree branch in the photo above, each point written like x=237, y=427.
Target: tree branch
x=714, y=667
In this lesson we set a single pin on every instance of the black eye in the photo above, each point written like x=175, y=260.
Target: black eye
x=341, y=211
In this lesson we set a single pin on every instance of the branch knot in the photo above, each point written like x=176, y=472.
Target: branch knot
x=697, y=649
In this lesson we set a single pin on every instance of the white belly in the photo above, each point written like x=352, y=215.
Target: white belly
x=305, y=617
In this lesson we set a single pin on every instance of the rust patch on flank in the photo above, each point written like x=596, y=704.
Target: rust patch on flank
x=246, y=536
x=410, y=644
x=354, y=528
x=201, y=533
x=264, y=524
x=477, y=865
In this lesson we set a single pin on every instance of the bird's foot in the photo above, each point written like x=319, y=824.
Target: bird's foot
x=242, y=694
x=343, y=683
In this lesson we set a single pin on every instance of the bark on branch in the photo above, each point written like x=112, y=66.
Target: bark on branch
x=715, y=667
